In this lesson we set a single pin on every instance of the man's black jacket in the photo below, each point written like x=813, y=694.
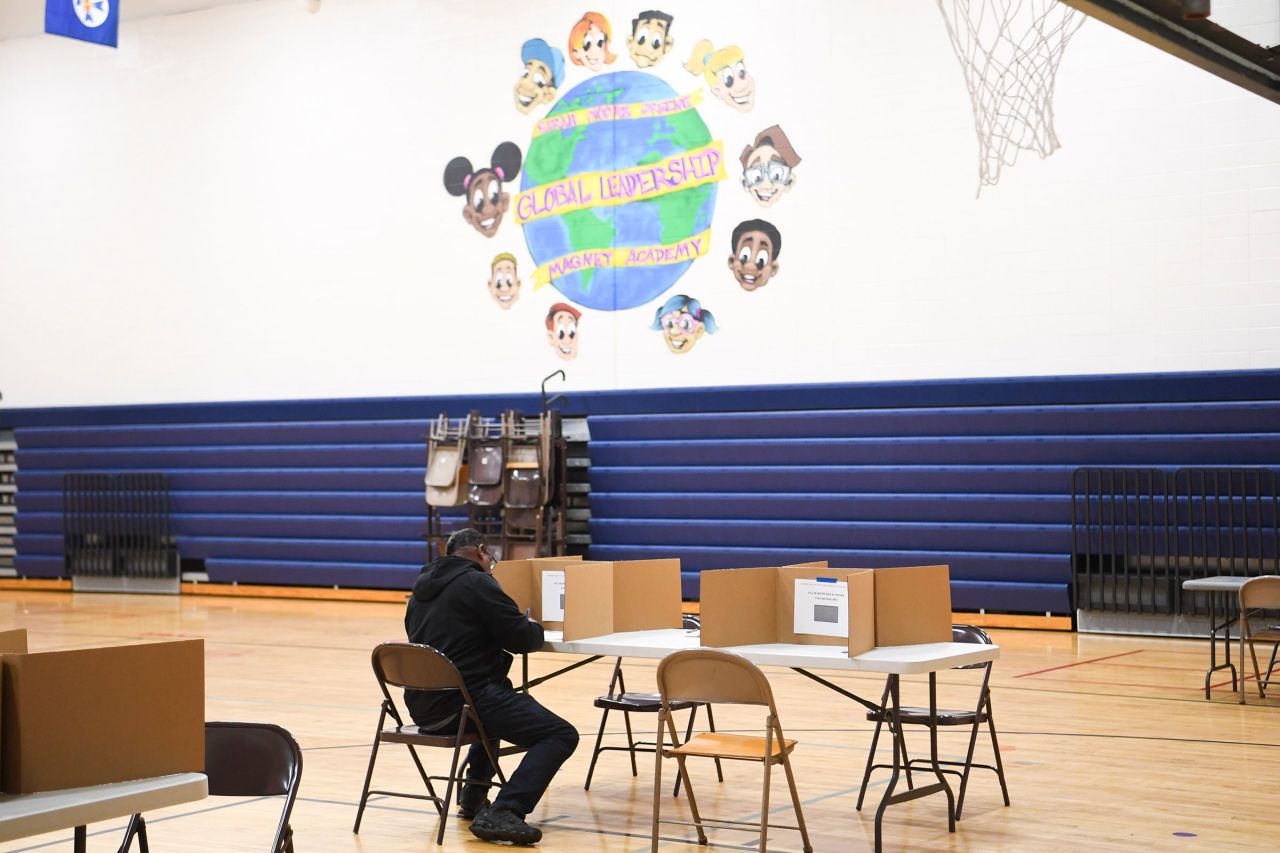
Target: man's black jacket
x=460, y=609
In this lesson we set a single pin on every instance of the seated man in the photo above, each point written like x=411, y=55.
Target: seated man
x=458, y=608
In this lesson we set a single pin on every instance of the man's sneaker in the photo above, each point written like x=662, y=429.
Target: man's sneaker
x=497, y=824
x=473, y=801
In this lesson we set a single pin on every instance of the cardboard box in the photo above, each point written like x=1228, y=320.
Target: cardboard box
x=913, y=605
x=11, y=642
x=94, y=716
x=612, y=598
x=743, y=607
x=522, y=580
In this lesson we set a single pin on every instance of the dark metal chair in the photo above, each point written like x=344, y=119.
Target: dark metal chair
x=244, y=760
x=920, y=717
x=416, y=667
x=640, y=703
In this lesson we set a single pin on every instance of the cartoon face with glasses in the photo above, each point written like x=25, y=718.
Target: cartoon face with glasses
x=767, y=166
x=682, y=321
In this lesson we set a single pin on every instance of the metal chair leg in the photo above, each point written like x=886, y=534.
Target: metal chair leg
x=995, y=747
x=768, y=776
x=968, y=761
x=595, y=753
x=871, y=756
x=137, y=826
x=711, y=727
x=368, y=777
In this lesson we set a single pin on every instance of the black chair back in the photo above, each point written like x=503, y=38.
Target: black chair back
x=254, y=760
x=971, y=634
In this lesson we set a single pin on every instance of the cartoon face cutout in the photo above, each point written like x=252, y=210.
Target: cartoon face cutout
x=504, y=283
x=756, y=246
x=650, y=39
x=683, y=321
x=562, y=330
x=589, y=42
x=542, y=76
x=591, y=51
x=535, y=86
x=725, y=72
x=681, y=331
x=735, y=86
x=484, y=201
x=767, y=167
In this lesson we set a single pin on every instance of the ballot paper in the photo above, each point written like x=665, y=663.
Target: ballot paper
x=553, y=596
x=822, y=608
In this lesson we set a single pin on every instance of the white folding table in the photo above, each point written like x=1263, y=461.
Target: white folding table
x=23, y=815
x=893, y=661
x=1229, y=586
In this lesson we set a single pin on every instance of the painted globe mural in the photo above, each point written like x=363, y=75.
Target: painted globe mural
x=608, y=146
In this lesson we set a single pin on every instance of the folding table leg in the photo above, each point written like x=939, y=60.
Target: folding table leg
x=933, y=751
x=80, y=842
x=895, y=718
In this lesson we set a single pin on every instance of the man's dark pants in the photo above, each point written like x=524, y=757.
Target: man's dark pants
x=518, y=718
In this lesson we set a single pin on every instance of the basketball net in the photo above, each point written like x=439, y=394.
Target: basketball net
x=1010, y=50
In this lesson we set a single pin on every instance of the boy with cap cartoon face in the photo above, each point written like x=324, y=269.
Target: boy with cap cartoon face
x=543, y=74
x=650, y=38
x=562, y=330
x=756, y=245
x=767, y=165
x=504, y=284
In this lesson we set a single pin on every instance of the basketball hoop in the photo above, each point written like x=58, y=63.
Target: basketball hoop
x=1010, y=50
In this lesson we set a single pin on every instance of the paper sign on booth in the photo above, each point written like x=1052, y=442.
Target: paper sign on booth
x=821, y=607
x=553, y=596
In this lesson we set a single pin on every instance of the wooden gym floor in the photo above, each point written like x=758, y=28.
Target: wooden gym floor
x=1107, y=741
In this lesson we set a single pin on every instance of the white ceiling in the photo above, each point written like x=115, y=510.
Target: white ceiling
x=21, y=18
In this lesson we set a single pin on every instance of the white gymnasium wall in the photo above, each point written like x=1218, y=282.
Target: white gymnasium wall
x=247, y=203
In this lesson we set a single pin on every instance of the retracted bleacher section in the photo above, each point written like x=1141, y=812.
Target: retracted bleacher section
x=972, y=473
x=313, y=493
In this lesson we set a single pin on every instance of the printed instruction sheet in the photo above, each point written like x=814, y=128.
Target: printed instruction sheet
x=553, y=596
x=822, y=608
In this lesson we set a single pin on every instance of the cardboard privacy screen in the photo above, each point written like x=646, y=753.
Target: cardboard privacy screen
x=82, y=717
x=885, y=607
x=743, y=607
x=611, y=598
x=523, y=581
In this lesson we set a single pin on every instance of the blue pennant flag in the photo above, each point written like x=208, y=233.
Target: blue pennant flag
x=97, y=21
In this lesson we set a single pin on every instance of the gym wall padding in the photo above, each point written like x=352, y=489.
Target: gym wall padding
x=972, y=473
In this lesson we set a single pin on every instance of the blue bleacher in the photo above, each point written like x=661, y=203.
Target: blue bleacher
x=972, y=473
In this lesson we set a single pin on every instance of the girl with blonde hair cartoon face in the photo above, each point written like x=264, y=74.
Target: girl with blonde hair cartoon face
x=725, y=73
x=589, y=42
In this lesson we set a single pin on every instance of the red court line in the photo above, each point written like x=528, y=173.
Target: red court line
x=1079, y=663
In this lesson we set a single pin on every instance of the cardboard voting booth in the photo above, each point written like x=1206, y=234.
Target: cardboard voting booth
x=745, y=607
x=611, y=598
x=913, y=605
x=810, y=604
x=83, y=717
x=537, y=586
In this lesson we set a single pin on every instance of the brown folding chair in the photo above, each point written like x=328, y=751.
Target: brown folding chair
x=639, y=703
x=245, y=760
x=920, y=717
x=1260, y=593
x=707, y=676
x=416, y=667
